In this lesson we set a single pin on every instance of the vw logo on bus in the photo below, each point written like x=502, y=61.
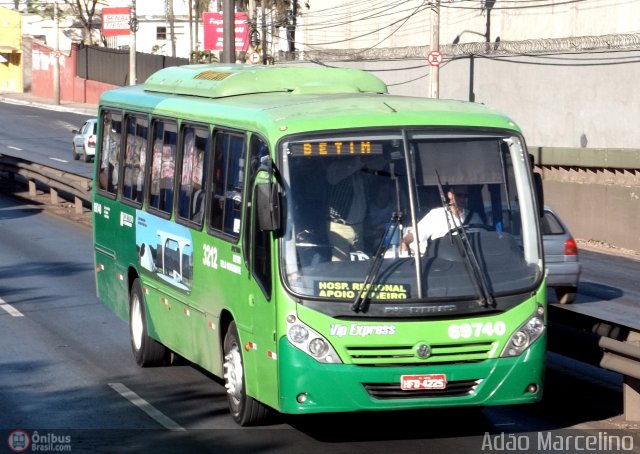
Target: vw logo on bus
x=423, y=351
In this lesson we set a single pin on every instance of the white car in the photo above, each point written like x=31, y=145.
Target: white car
x=84, y=140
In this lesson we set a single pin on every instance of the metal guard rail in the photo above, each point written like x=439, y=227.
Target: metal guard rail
x=59, y=182
x=622, y=357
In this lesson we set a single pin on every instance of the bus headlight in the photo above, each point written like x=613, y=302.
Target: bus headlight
x=310, y=341
x=298, y=334
x=318, y=347
x=526, y=334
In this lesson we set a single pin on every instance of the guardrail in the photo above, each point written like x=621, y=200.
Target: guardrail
x=624, y=358
x=605, y=158
x=61, y=184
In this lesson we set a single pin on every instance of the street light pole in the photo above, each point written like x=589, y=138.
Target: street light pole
x=434, y=75
x=56, y=56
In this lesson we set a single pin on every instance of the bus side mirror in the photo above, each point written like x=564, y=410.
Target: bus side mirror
x=268, y=207
x=539, y=192
x=537, y=187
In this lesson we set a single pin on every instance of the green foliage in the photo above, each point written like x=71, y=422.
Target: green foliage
x=203, y=56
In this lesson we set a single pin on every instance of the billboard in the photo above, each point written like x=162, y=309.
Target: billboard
x=214, y=35
x=115, y=21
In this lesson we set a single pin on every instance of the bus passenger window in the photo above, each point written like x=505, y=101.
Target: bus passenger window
x=134, y=158
x=111, y=136
x=191, y=198
x=163, y=161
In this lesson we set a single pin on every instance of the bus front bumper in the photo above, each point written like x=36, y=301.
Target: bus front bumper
x=307, y=386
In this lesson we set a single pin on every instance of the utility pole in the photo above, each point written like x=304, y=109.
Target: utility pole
x=56, y=56
x=434, y=75
x=133, y=25
x=228, y=31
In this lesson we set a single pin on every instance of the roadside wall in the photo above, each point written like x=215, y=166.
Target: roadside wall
x=72, y=88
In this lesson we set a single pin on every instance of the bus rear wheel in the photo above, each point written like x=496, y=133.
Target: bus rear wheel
x=245, y=410
x=146, y=351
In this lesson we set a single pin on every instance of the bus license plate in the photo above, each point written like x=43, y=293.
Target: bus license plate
x=417, y=382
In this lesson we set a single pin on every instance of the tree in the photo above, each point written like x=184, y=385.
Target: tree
x=200, y=7
x=85, y=13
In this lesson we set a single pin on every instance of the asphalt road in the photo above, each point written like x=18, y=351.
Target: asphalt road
x=41, y=136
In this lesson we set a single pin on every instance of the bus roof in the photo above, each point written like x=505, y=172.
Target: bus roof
x=219, y=81
x=282, y=100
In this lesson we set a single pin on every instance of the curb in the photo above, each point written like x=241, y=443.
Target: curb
x=58, y=108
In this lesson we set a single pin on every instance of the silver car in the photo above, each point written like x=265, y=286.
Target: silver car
x=84, y=140
x=561, y=257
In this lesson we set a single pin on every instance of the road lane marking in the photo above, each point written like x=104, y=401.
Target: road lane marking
x=10, y=309
x=57, y=159
x=146, y=407
x=14, y=148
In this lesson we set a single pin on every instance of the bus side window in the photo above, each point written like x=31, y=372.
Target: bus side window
x=109, y=161
x=227, y=179
x=134, y=158
x=191, y=197
x=163, y=166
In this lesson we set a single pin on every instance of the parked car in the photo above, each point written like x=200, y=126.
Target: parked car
x=561, y=257
x=84, y=140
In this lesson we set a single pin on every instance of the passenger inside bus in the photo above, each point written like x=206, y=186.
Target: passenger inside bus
x=347, y=207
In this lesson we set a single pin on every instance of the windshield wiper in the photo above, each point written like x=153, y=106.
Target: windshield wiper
x=362, y=299
x=466, y=251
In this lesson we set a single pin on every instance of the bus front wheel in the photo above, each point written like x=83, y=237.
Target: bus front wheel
x=245, y=410
x=147, y=351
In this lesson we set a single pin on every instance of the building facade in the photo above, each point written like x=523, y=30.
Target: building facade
x=11, y=61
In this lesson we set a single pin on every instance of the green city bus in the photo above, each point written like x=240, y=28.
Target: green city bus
x=269, y=224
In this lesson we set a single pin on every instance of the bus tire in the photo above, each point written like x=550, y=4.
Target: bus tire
x=244, y=409
x=146, y=351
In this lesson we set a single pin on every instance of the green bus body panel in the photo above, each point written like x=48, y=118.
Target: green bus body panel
x=185, y=319
x=186, y=313
x=339, y=387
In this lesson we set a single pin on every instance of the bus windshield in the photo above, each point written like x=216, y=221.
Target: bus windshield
x=409, y=215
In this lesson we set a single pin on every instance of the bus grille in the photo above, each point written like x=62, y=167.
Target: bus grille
x=393, y=390
x=406, y=354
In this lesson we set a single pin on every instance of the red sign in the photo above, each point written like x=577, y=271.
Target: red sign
x=115, y=21
x=435, y=58
x=214, y=34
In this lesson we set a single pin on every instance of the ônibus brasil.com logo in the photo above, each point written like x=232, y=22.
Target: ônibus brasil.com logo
x=19, y=441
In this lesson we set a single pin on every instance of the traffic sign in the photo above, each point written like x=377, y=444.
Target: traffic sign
x=254, y=58
x=434, y=58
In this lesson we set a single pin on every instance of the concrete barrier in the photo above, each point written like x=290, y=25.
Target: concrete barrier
x=596, y=191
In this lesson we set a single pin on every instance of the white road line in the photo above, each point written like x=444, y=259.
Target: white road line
x=10, y=309
x=57, y=159
x=14, y=148
x=146, y=407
